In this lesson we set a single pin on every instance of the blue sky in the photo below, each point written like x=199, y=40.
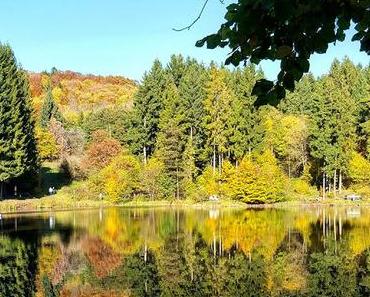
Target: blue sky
x=122, y=37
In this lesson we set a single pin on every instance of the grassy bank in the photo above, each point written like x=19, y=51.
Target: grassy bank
x=47, y=203
x=62, y=202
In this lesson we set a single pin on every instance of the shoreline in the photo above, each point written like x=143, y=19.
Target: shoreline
x=55, y=203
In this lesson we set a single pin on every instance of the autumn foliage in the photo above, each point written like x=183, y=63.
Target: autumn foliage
x=101, y=151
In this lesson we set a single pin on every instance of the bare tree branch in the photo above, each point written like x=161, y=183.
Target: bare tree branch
x=196, y=20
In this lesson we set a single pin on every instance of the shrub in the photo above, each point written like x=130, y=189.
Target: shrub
x=301, y=187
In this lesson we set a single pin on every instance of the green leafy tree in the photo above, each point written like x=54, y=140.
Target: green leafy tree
x=287, y=31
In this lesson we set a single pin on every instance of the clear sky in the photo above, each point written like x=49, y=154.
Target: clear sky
x=122, y=37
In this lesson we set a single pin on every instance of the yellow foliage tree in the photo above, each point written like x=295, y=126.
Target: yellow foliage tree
x=255, y=181
x=359, y=169
x=46, y=144
x=120, y=178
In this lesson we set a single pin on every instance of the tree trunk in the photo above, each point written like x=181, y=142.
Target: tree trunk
x=2, y=190
x=214, y=159
x=144, y=150
x=177, y=184
x=145, y=156
x=340, y=181
x=323, y=186
x=335, y=183
x=220, y=163
x=289, y=167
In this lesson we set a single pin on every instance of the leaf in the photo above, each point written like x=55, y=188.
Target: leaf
x=288, y=81
x=201, y=42
x=341, y=36
x=263, y=86
x=213, y=41
x=357, y=36
x=304, y=64
x=283, y=51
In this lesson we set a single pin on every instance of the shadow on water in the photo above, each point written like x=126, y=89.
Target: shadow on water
x=21, y=241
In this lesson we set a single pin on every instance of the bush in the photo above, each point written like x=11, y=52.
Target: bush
x=361, y=189
x=152, y=183
x=299, y=186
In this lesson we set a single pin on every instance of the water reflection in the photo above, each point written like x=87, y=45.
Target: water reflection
x=147, y=252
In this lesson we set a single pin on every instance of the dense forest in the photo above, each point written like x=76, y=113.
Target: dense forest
x=193, y=131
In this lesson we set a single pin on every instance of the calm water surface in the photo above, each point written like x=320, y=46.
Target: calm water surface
x=172, y=252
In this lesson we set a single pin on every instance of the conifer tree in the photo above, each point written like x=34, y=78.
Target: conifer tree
x=176, y=68
x=49, y=109
x=243, y=122
x=18, y=153
x=169, y=143
x=217, y=106
x=189, y=169
x=192, y=94
x=148, y=104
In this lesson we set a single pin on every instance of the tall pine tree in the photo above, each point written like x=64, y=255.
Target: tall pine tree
x=18, y=153
x=148, y=104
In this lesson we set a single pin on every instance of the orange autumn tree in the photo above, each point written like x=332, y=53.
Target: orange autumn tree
x=100, y=152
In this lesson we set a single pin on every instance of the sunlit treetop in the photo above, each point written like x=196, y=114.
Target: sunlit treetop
x=289, y=31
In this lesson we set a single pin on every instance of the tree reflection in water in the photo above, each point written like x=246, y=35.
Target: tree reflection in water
x=173, y=252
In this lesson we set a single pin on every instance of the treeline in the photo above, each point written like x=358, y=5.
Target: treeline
x=194, y=132
x=202, y=124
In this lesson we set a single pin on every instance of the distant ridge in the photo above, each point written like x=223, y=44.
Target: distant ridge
x=77, y=93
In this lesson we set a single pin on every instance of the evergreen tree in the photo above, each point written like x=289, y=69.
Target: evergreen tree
x=192, y=94
x=333, y=126
x=176, y=68
x=243, y=122
x=189, y=169
x=217, y=106
x=148, y=104
x=18, y=153
x=300, y=101
x=169, y=143
x=49, y=109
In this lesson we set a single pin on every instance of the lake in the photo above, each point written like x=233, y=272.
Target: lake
x=311, y=251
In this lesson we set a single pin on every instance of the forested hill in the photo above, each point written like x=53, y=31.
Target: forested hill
x=76, y=93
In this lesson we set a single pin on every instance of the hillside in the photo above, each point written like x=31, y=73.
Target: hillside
x=77, y=93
